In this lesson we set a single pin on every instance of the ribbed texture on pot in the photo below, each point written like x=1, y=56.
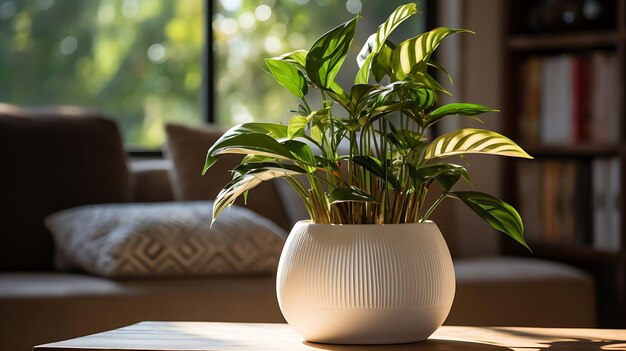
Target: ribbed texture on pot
x=360, y=284
x=365, y=267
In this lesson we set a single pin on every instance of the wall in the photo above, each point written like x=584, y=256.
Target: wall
x=475, y=63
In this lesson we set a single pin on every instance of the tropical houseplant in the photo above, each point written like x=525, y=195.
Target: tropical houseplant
x=381, y=177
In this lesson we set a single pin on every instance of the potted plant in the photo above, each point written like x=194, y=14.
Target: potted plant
x=368, y=267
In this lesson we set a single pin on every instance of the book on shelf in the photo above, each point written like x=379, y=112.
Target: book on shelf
x=571, y=202
x=570, y=99
x=606, y=197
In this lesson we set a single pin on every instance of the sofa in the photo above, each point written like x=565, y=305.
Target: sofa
x=57, y=158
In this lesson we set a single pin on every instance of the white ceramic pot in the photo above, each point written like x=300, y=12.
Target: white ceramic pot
x=365, y=284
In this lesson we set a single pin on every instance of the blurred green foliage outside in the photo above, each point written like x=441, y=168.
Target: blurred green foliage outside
x=140, y=61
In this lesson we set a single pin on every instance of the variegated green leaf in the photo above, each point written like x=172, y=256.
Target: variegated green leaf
x=418, y=49
x=247, y=144
x=276, y=131
x=242, y=183
x=470, y=140
x=247, y=167
x=251, y=143
x=233, y=138
x=376, y=41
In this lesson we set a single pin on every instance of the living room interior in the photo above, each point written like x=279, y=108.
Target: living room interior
x=108, y=108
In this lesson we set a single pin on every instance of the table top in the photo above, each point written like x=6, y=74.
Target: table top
x=193, y=336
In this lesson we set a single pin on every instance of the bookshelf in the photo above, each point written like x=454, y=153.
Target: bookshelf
x=564, y=72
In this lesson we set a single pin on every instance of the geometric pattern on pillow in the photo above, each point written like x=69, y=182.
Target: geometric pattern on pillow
x=164, y=239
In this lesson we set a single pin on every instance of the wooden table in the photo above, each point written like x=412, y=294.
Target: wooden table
x=188, y=336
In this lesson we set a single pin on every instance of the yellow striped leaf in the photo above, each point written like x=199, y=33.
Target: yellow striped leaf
x=419, y=49
x=473, y=141
x=377, y=40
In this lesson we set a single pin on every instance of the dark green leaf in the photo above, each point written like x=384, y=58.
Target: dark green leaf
x=361, y=95
x=414, y=176
x=497, y=213
x=384, y=110
x=406, y=139
x=375, y=166
x=382, y=64
x=339, y=95
x=460, y=108
x=350, y=195
x=447, y=180
x=328, y=53
x=441, y=68
x=288, y=76
x=425, y=98
x=434, y=84
x=432, y=171
x=302, y=152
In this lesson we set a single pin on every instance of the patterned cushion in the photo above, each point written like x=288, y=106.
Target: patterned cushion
x=124, y=240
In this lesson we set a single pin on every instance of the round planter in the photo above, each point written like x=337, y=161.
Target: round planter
x=365, y=284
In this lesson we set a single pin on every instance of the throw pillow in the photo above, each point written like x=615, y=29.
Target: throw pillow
x=187, y=149
x=156, y=239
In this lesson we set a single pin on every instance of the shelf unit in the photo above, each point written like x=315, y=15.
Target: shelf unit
x=520, y=43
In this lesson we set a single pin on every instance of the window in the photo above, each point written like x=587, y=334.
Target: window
x=138, y=61
x=142, y=62
x=247, y=31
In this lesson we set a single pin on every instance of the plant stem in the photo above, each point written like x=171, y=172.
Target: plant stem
x=301, y=192
x=434, y=206
x=306, y=104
